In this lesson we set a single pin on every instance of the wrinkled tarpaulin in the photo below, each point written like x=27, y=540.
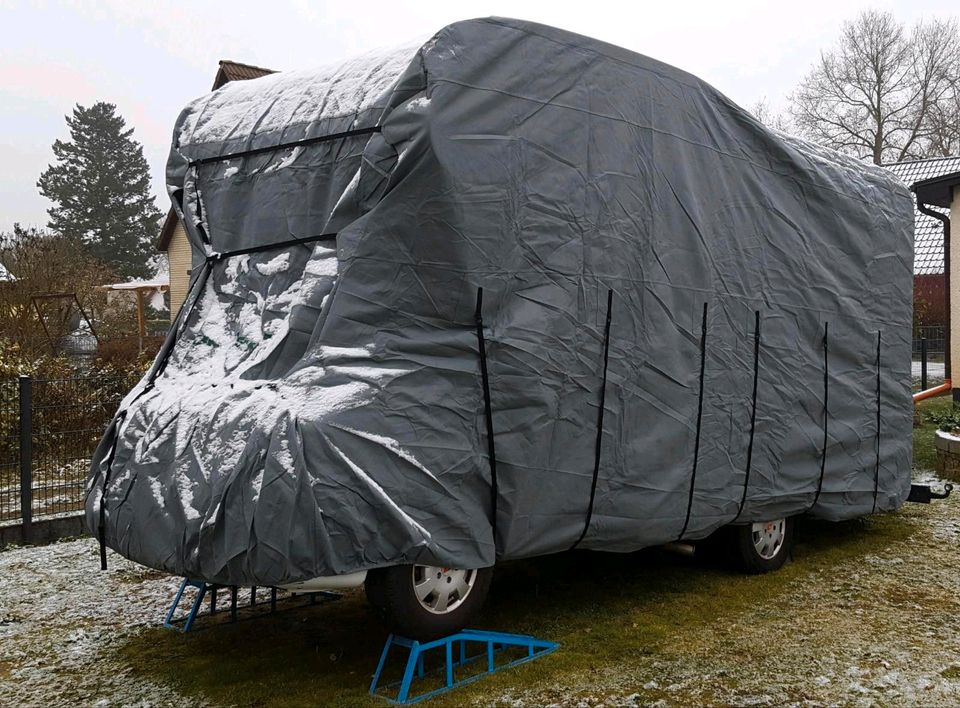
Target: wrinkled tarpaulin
x=319, y=408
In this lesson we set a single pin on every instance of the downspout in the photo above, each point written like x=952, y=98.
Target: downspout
x=947, y=383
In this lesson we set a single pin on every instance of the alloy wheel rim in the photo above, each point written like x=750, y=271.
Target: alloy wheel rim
x=768, y=537
x=442, y=590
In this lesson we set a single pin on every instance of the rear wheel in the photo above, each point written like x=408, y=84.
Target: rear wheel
x=426, y=602
x=761, y=547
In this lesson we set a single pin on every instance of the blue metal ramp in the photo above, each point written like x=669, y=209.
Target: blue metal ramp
x=185, y=622
x=492, y=643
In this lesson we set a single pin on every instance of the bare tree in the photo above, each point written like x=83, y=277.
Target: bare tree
x=770, y=117
x=40, y=263
x=945, y=125
x=937, y=56
x=878, y=92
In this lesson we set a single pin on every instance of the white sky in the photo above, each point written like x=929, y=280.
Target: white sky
x=150, y=57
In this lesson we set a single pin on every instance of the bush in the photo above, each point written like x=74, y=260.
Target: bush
x=72, y=404
x=15, y=361
x=124, y=354
x=948, y=421
x=41, y=262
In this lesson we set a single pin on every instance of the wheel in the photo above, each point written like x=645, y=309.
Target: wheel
x=761, y=547
x=425, y=602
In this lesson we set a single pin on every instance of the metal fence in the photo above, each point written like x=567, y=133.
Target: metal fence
x=934, y=342
x=9, y=450
x=49, y=429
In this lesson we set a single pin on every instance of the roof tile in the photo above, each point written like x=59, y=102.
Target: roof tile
x=928, y=236
x=237, y=71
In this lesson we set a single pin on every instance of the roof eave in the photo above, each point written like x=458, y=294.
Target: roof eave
x=937, y=191
x=223, y=73
x=166, y=231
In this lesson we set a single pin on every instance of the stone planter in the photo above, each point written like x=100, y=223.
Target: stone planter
x=948, y=454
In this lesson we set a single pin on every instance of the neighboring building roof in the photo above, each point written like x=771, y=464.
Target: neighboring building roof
x=928, y=237
x=166, y=231
x=937, y=191
x=160, y=283
x=235, y=71
x=228, y=71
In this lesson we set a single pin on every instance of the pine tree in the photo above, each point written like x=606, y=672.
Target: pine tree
x=100, y=185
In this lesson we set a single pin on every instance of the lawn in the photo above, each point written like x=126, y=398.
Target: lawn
x=867, y=612
x=924, y=455
x=617, y=618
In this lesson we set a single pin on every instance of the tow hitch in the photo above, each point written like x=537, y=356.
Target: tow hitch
x=923, y=494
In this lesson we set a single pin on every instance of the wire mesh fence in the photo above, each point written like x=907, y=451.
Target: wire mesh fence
x=929, y=344
x=934, y=345
x=9, y=450
x=63, y=421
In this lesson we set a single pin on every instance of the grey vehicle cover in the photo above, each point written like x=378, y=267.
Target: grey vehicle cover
x=687, y=319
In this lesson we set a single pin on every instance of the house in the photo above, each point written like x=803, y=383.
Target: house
x=928, y=274
x=942, y=194
x=173, y=239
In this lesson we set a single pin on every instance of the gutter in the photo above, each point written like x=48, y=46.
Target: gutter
x=945, y=220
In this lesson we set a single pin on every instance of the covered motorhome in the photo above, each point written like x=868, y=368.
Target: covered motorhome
x=502, y=294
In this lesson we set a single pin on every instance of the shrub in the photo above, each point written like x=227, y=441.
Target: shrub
x=948, y=421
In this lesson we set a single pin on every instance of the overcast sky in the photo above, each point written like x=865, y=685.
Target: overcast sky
x=151, y=57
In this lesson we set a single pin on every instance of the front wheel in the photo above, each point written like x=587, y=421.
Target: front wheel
x=425, y=602
x=761, y=547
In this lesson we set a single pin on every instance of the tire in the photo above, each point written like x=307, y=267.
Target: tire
x=451, y=598
x=375, y=591
x=761, y=547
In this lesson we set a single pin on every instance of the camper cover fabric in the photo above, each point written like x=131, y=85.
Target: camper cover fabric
x=319, y=407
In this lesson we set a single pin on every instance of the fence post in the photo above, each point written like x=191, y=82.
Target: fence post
x=923, y=363
x=26, y=457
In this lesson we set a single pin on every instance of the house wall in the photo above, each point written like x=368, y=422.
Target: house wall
x=179, y=258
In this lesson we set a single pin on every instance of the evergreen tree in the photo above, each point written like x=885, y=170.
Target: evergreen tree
x=100, y=185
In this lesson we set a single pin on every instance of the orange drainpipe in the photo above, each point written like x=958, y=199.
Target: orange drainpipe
x=931, y=392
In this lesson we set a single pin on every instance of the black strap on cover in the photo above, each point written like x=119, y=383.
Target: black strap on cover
x=876, y=469
x=488, y=411
x=826, y=411
x=157, y=370
x=102, y=526
x=181, y=319
x=271, y=246
x=198, y=222
x=284, y=146
x=603, y=400
x=696, y=444
x=753, y=412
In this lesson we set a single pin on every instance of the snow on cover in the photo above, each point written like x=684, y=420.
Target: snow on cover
x=295, y=97
x=238, y=322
